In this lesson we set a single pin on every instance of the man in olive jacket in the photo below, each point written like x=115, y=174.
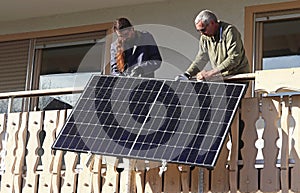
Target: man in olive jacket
x=221, y=45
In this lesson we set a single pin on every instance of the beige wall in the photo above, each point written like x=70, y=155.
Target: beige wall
x=171, y=23
x=177, y=13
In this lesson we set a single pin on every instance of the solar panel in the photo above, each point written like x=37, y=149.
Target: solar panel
x=161, y=120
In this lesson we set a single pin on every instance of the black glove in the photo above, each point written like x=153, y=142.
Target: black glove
x=137, y=71
x=184, y=76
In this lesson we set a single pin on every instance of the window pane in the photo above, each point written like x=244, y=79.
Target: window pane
x=66, y=67
x=281, y=44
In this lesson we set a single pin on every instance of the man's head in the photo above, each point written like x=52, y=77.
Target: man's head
x=206, y=23
x=123, y=28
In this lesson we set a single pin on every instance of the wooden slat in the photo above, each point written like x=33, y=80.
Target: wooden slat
x=50, y=125
x=2, y=143
x=220, y=174
x=57, y=162
x=269, y=179
x=111, y=176
x=233, y=162
x=96, y=183
x=172, y=179
x=127, y=178
x=69, y=176
x=248, y=173
x=295, y=151
x=13, y=126
x=153, y=182
x=32, y=158
x=185, y=178
x=85, y=175
x=20, y=152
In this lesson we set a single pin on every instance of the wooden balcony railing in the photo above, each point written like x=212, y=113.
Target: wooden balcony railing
x=262, y=155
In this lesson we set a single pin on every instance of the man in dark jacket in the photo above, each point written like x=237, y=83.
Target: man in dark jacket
x=134, y=53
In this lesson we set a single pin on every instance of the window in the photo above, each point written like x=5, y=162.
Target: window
x=61, y=58
x=61, y=64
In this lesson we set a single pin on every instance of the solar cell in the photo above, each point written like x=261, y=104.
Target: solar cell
x=162, y=120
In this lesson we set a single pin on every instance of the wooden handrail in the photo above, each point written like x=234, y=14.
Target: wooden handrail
x=44, y=92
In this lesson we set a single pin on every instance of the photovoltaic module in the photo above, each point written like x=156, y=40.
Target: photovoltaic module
x=161, y=120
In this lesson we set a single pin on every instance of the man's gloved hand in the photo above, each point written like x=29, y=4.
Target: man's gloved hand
x=137, y=71
x=184, y=76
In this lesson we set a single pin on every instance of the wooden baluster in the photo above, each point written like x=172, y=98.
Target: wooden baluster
x=269, y=174
x=2, y=142
x=85, y=175
x=57, y=162
x=233, y=162
x=259, y=144
x=220, y=174
x=248, y=174
x=153, y=182
x=69, y=176
x=295, y=149
x=110, y=176
x=127, y=178
x=96, y=184
x=140, y=167
x=50, y=125
x=200, y=180
x=32, y=157
x=279, y=129
x=291, y=130
x=172, y=179
x=19, y=166
x=283, y=144
x=13, y=126
x=184, y=178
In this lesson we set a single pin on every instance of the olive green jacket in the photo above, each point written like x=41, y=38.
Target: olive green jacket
x=225, y=51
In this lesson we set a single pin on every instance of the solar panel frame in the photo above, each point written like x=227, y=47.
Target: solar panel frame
x=152, y=119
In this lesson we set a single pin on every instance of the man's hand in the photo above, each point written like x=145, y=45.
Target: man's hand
x=184, y=76
x=206, y=75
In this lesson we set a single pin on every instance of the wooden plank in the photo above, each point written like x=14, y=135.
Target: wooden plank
x=200, y=180
x=2, y=141
x=13, y=126
x=127, y=176
x=32, y=158
x=284, y=158
x=220, y=174
x=57, y=161
x=111, y=176
x=185, y=178
x=153, y=182
x=233, y=162
x=248, y=173
x=69, y=176
x=140, y=173
x=85, y=175
x=50, y=125
x=269, y=179
x=96, y=184
x=172, y=179
x=287, y=80
x=295, y=150
x=20, y=152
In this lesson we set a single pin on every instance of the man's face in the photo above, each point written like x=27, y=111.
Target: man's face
x=125, y=34
x=207, y=30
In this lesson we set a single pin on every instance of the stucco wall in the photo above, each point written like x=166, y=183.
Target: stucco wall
x=176, y=13
x=170, y=21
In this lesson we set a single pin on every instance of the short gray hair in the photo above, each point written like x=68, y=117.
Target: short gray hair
x=206, y=16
